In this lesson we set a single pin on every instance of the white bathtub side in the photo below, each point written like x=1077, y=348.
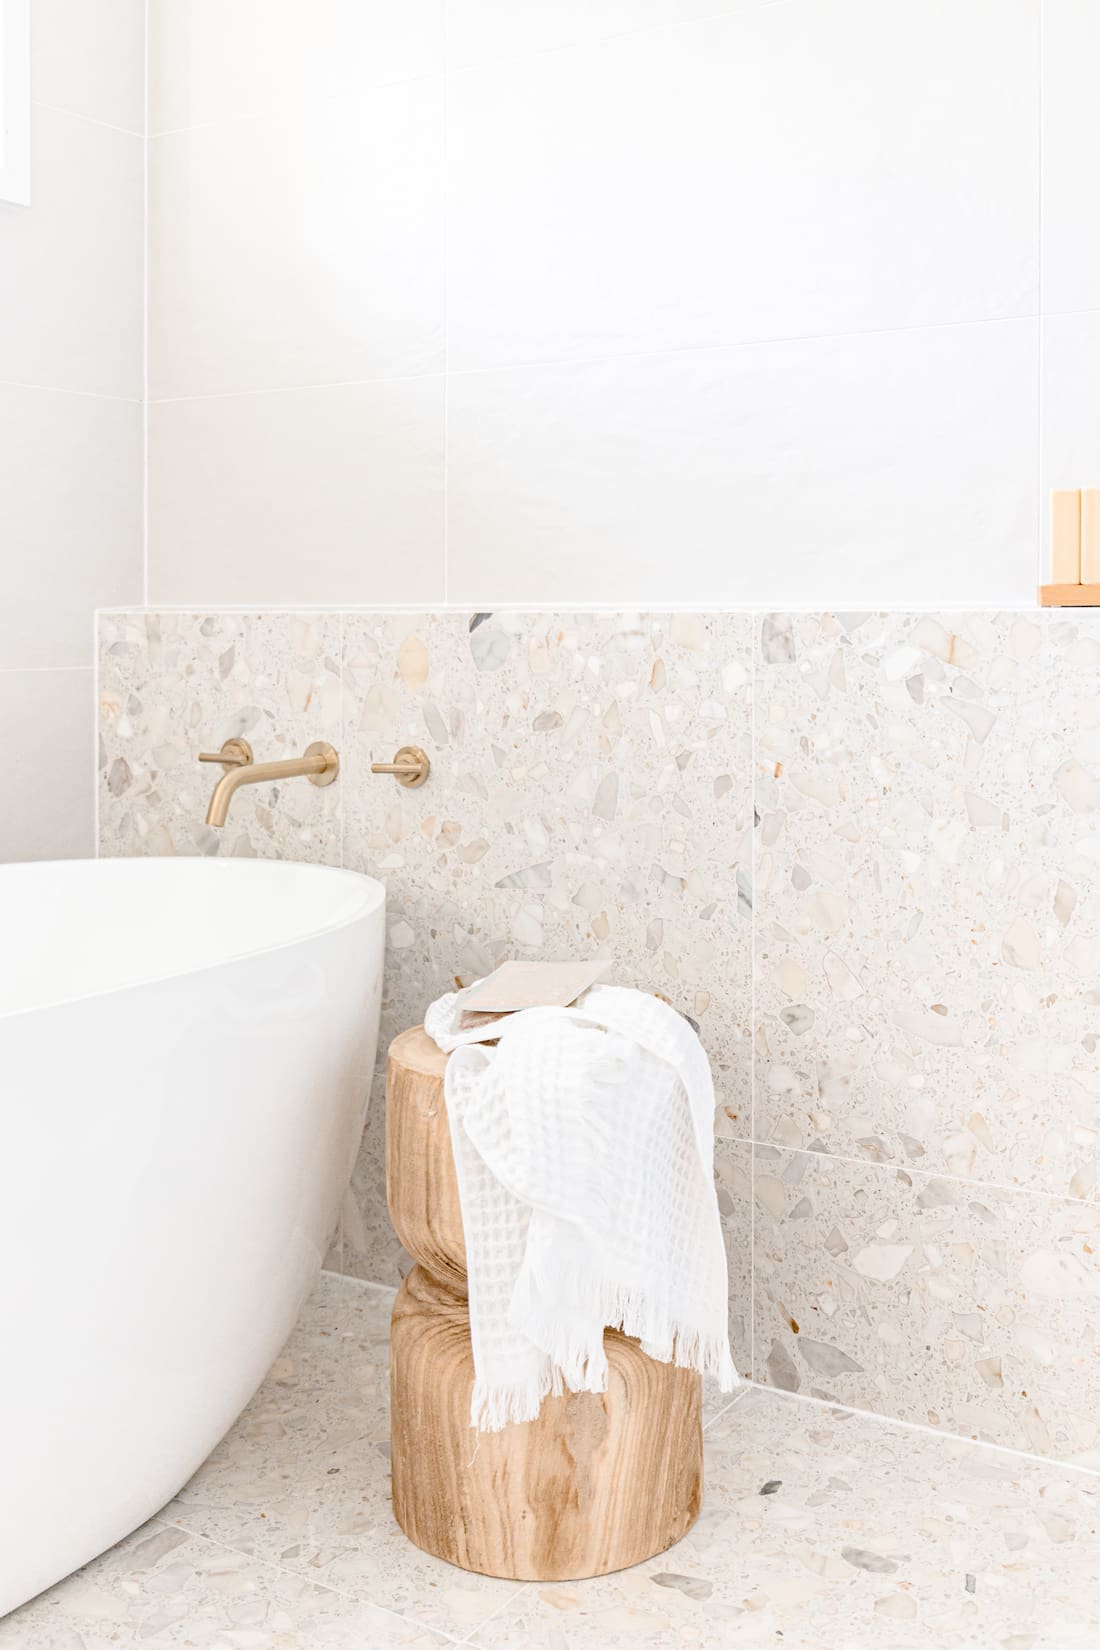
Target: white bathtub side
x=172, y=1160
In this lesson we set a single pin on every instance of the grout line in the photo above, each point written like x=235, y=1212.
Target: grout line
x=752, y=998
x=339, y=1244
x=89, y=120
x=220, y=1544
x=923, y=1174
x=95, y=733
x=644, y=605
x=1039, y=421
x=602, y=360
x=360, y=1283
x=279, y=114
x=61, y=389
x=446, y=305
x=39, y=670
x=302, y=388
x=145, y=323
x=470, y=1638
x=746, y=1386
x=340, y=728
x=940, y=1433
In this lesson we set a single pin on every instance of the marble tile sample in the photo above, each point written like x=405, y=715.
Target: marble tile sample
x=589, y=795
x=928, y=892
x=824, y=1530
x=174, y=684
x=302, y=1480
x=162, y=1586
x=958, y=1306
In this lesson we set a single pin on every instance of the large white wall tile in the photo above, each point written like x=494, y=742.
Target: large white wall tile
x=88, y=56
x=784, y=170
x=885, y=466
x=70, y=520
x=71, y=279
x=71, y=262
x=302, y=496
x=218, y=59
x=299, y=250
x=1071, y=155
x=487, y=31
x=48, y=810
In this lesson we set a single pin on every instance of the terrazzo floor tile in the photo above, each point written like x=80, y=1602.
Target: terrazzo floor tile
x=928, y=891
x=820, y=1530
x=824, y=1530
x=164, y=1587
x=931, y=1300
x=302, y=1480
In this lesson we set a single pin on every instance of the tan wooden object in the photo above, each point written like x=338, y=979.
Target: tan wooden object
x=1090, y=536
x=1065, y=538
x=1069, y=595
x=598, y=1481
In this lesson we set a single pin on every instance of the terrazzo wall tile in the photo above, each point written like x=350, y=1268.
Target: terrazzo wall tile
x=589, y=794
x=969, y=1308
x=928, y=892
x=927, y=932
x=174, y=684
x=733, y=1166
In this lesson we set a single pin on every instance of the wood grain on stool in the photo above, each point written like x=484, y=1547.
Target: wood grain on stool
x=420, y=1169
x=598, y=1481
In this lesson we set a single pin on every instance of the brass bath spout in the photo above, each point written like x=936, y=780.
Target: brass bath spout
x=319, y=764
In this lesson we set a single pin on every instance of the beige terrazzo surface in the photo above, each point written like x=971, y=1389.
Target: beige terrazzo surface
x=590, y=792
x=921, y=973
x=927, y=1012
x=821, y=1529
x=928, y=891
x=939, y=1302
x=174, y=684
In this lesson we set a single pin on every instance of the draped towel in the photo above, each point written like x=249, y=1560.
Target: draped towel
x=583, y=1145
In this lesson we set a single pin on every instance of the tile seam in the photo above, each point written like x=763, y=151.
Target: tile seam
x=942, y=1433
x=673, y=351
x=924, y=1174
x=88, y=120
x=219, y=1544
x=746, y=1387
x=752, y=994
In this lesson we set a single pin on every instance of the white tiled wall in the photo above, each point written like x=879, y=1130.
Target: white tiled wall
x=628, y=300
x=71, y=280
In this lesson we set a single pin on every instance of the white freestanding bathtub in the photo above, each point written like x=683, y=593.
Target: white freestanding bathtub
x=185, y=1057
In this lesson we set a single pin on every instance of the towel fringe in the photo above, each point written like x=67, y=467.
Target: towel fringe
x=569, y=1366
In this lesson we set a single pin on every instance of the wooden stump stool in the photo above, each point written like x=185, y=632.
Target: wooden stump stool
x=598, y=1481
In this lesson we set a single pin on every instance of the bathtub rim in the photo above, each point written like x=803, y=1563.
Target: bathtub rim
x=375, y=903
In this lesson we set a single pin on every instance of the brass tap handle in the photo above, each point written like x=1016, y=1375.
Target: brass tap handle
x=235, y=753
x=410, y=767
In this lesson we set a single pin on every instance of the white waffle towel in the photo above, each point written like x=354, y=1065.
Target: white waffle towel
x=583, y=1144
